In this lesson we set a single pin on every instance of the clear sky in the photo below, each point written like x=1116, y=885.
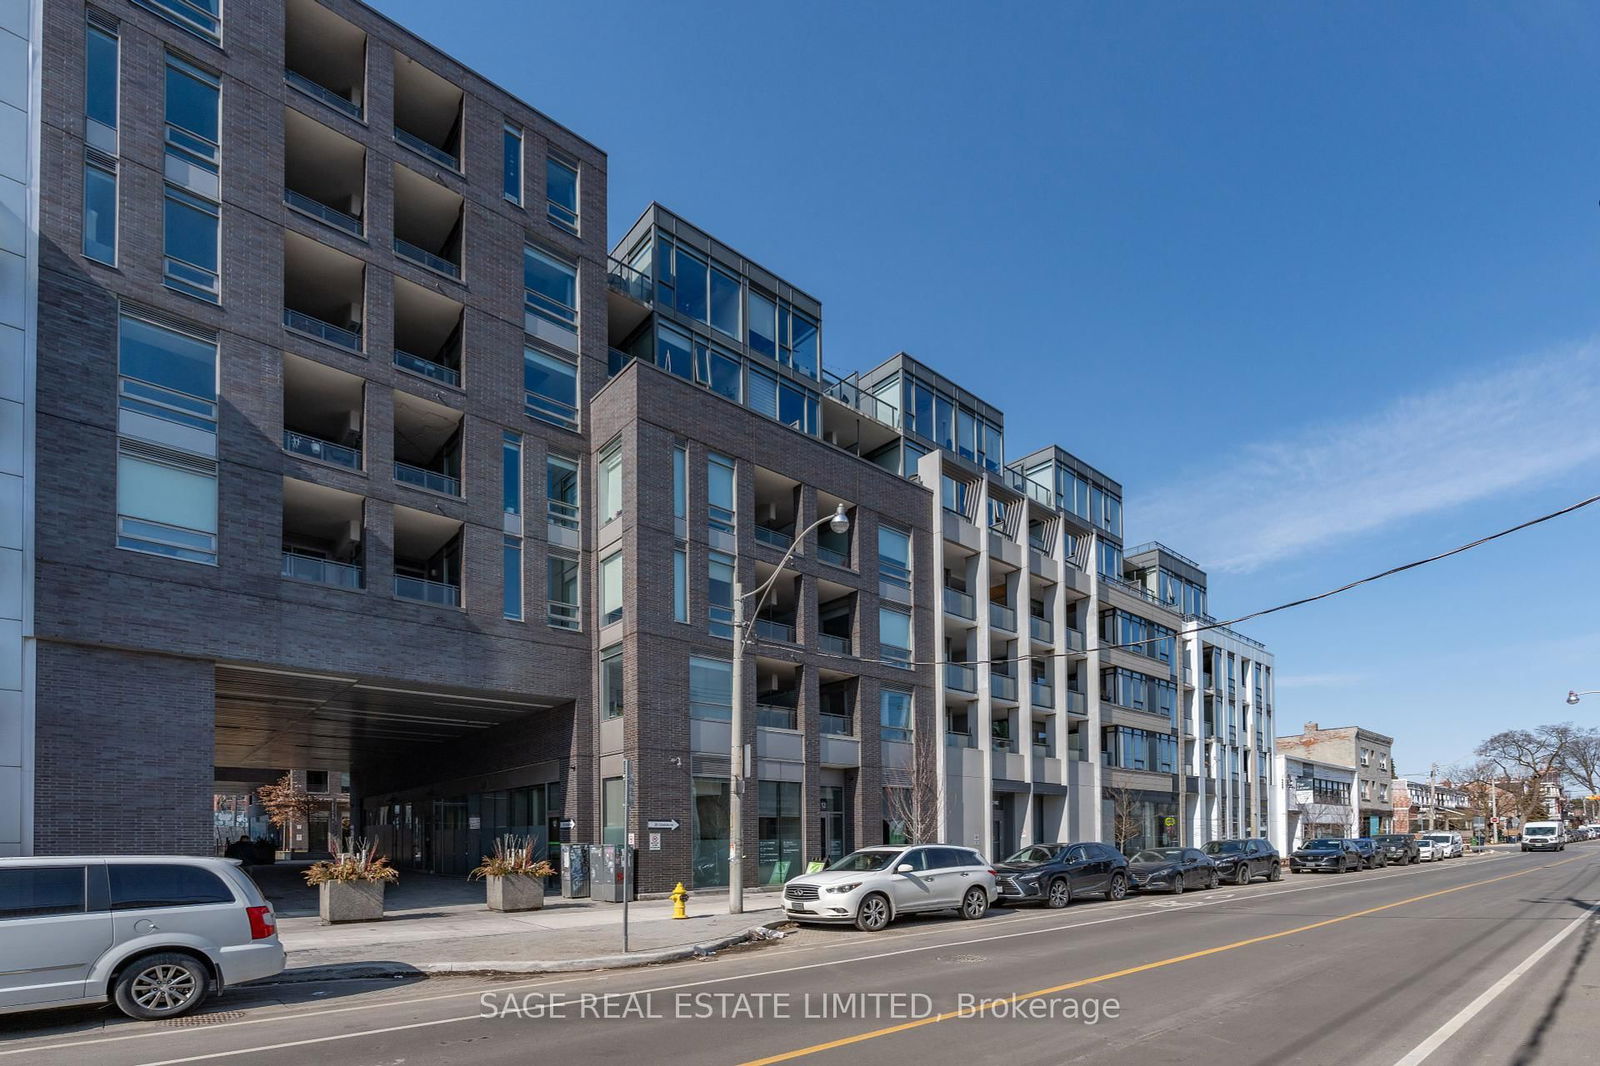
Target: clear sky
x=1316, y=282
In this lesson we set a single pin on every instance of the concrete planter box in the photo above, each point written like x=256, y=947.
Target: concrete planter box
x=350, y=901
x=515, y=892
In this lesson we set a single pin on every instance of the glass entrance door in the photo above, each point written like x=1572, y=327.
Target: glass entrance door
x=835, y=833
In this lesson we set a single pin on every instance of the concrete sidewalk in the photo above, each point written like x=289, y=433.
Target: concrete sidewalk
x=442, y=925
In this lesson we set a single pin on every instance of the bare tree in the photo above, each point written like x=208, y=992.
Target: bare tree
x=1126, y=820
x=286, y=803
x=1324, y=819
x=1528, y=759
x=1580, y=761
x=915, y=807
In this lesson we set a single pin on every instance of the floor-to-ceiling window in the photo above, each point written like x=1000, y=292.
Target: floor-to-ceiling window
x=709, y=826
x=778, y=844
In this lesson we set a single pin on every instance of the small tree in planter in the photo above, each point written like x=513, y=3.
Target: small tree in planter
x=515, y=877
x=350, y=885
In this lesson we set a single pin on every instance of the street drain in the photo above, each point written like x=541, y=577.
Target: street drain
x=191, y=1020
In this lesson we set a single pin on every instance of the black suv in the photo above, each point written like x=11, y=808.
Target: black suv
x=1241, y=861
x=1400, y=848
x=1057, y=874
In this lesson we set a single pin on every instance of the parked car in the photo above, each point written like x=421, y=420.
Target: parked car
x=1401, y=848
x=1543, y=836
x=1372, y=856
x=1057, y=874
x=1449, y=841
x=1428, y=851
x=1172, y=870
x=874, y=886
x=1240, y=861
x=155, y=935
x=1325, y=853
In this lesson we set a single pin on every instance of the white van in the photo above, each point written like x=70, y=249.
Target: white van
x=1543, y=836
x=154, y=934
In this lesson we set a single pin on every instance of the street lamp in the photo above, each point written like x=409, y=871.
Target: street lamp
x=1572, y=697
x=839, y=522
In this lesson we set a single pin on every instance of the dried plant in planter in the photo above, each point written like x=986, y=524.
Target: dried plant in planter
x=353, y=860
x=512, y=855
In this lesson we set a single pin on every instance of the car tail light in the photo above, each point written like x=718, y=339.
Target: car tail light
x=263, y=923
x=994, y=873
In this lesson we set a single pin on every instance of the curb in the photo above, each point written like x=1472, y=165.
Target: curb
x=369, y=970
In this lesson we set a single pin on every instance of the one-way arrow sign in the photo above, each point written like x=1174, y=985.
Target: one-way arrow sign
x=663, y=823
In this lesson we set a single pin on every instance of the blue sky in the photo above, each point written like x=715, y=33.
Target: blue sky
x=1315, y=282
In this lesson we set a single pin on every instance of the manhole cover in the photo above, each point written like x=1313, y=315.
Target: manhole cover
x=188, y=1021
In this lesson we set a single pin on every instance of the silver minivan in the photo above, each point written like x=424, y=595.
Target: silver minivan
x=153, y=934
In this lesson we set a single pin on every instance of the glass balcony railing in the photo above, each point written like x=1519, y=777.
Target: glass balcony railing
x=320, y=92
x=315, y=448
x=407, y=250
x=835, y=725
x=1041, y=629
x=773, y=717
x=317, y=209
x=849, y=393
x=301, y=322
x=1073, y=639
x=431, y=480
x=777, y=538
x=773, y=630
x=833, y=644
x=422, y=147
x=1003, y=686
x=1077, y=703
x=959, y=604
x=416, y=588
x=624, y=279
x=960, y=677
x=427, y=368
x=1002, y=617
x=1005, y=745
x=833, y=557
x=321, y=571
x=1044, y=694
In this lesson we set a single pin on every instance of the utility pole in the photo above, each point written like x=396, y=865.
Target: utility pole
x=736, y=761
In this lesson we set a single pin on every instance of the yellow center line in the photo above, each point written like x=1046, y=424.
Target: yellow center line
x=980, y=1008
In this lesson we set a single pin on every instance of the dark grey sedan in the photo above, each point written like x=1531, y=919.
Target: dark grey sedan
x=1172, y=870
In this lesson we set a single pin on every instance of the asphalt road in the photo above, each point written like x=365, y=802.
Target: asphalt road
x=1476, y=960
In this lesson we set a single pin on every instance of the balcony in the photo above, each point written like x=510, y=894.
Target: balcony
x=322, y=412
x=1044, y=695
x=1072, y=639
x=777, y=508
x=1006, y=745
x=960, y=677
x=427, y=333
x=626, y=281
x=771, y=716
x=322, y=535
x=833, y=645
x=774, y=629
x=832, y=557
x=428, y=222
x=1002, y=617
x=324, y=57
x=324, y=173
x=960, y=604
x=427, y=444
x=1002, y=686
x=1077, y=703
x=1042, y=630
x=427, y=113
x=324, y=292
x=415, y=588
x=835, y=725
x=777, y=538
x=427, y=479
x=427, y=557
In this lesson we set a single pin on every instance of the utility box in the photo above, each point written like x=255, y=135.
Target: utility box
x=611, y=874
x=575, y=871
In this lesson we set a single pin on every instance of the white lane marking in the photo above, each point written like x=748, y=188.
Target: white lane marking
x=1471, y=1010
x=1265, y=892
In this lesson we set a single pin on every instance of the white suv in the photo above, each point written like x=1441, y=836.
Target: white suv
x=153, y=934
x=1447, y=843
x=873, y=886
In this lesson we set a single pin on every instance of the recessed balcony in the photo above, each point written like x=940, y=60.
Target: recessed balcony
x=428, y=222
x=322, y=412
x=322, y=535
x=427, y=444
x=427, y=557
x=427, y=113
x=427, y=333
x=324, y=173
x=325, y=57
x=324, y=292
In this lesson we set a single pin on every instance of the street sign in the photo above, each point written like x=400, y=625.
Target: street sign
x=568, y=823
x=663, y=823
x=655, y=841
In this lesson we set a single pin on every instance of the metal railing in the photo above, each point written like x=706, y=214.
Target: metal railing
x=316, y=448
x=778, y=538
x=836, y=645
x=1041, y=629
x=416, y=588
x=407, y=250
x=321, y=571
x=321, y=92
x=422, y=147
x=317, y=209
x=1156, y=545
x=615, y=361
x=427, y=479
x=1002, y=617
x=427, y=368
x=1002, y=686
x=624, y=279
x=773, y=630
x=836, y=725
x=848, y=391
x=959, y=603
x=301, y=322
x=1044, y=694
x=774, y=717
x=833, y=557
x=561, y=513
x=961, y=678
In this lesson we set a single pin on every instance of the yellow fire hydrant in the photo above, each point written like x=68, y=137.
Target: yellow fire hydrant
x=679, y=897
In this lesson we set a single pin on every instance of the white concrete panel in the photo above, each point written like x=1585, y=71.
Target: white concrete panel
x=13, y=70
x=14, y=16
x=13, y=217
x=10, y=813
x=13, y=297
x=11, y=437
x=10, y=657
x=13, y=143
x=10, y=727
x=10, y=584
x=10, y=363
x=10, y=512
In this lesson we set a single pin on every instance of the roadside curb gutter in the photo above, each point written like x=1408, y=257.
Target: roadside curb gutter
x=348, y=971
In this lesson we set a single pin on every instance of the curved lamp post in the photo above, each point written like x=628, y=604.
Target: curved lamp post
x=1572, y=697
x=839, y=522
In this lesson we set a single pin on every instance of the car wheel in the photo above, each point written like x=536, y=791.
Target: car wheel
x=1216, y=879
x=1241, y=876
x=1118, y=888
x=1059, y=894
x=975, y=904
x=164, y=985
x=873, y=914
x=1177, y=885
x=1275, y=872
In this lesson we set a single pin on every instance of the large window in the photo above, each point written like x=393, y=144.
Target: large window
x=166, y=373
x=718, y=371
x=778, y=819
x=203, y=17
x=193, y=192
x=511, y=183
x=783, y=401
x=613, y=803
x=562, y=608
x=551, y=289
x=675, y=352
x=709, y=831
x=761, y=317
x=1138, y=635
x=710, y=689
x=511, y=472
x=680, y=487
x=100, y=85
x=895, y=715
x=894, y=557
x=609, y=482
x=166, y=504
x=551, y=385
x=719, y=594
x=1111, y=559
x=511, y=576
x=680, y=585
x=191, y=229
x=894, y=635
x=720, y=494
x=561, y=491
x=1139, y=692
x=100, y=210
x=611, y=589
x=611, y=681
x=1138, y=749
x=561, y=192
x=101, y=82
